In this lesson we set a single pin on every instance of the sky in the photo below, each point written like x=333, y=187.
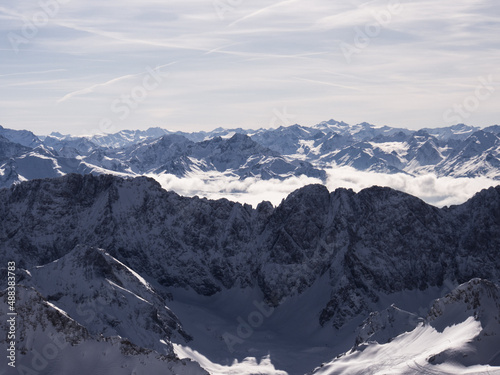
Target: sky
x=86, y=67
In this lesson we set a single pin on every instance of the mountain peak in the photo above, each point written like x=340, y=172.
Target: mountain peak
x=241, y=138
x=308, y=194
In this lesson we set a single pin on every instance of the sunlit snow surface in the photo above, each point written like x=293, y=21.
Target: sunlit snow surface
x=411, y=353
x=427, y=349
x=247, y=366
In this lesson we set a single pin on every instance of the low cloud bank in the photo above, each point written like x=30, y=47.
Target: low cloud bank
x=438, y=191
x=218, y=185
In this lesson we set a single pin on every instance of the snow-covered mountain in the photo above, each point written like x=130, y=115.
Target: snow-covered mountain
x=51, y=342
x=282, y=153
x=226, y=281
x=459, y=335
x=22, y=137
x=130, y=277
x=92, y=286
x=281, y=250
x=239, y=154
x=459, y=132
x=174, y=154
x=125, y=138
x=388, y=150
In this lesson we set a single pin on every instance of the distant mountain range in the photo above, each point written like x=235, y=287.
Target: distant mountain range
x=455, y=151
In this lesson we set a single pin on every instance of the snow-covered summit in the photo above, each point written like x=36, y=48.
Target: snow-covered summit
x=108, y=298
x=49, y=341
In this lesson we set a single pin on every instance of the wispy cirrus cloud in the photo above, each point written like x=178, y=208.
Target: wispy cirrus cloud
x=233, y=70
x=37, y=72
x=263, y=10
x=90, y=89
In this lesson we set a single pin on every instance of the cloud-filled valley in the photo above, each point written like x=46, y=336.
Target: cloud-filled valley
x=443, y=167
x=438, y=191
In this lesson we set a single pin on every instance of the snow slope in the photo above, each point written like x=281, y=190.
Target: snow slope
x=95, y=288
x=461, y=335
x=50, y=342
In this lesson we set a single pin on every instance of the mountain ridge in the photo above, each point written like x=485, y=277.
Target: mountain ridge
x=348, y=252
x=312, y=227
x=455, y=151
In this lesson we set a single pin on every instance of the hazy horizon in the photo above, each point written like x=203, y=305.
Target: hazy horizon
x=224, y=128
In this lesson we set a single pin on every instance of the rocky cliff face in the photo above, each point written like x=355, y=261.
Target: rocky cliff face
x=378, y=240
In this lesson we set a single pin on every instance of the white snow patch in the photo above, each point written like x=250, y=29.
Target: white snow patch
x=58, y=309
x=249, y=365
x=409, y=353
x=401, y=148
x=228, y=135
x=135, y=274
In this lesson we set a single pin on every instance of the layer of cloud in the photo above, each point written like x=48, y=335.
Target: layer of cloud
x=438, y=191
x=217, y=185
